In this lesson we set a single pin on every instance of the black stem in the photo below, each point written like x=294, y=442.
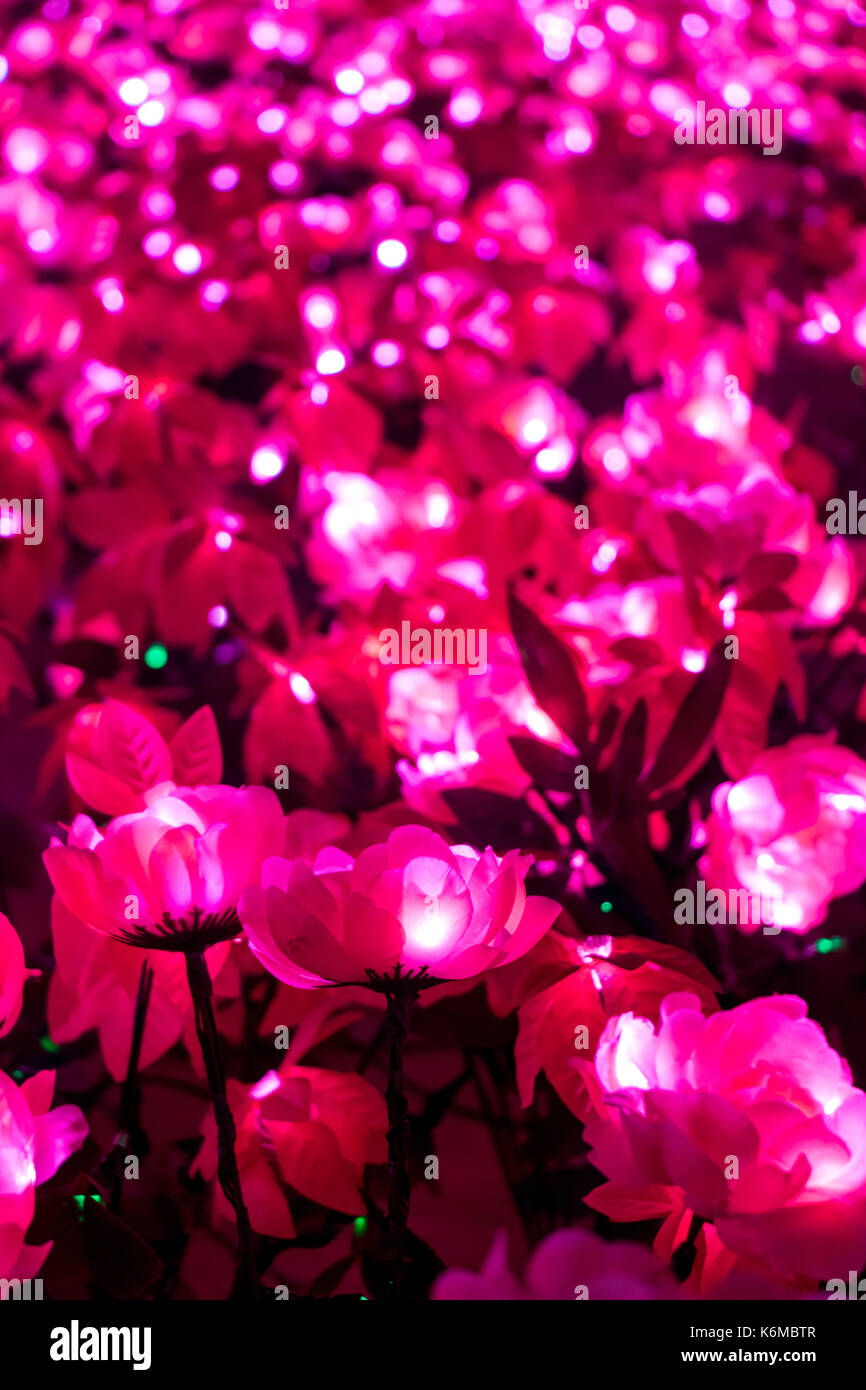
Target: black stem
x=129, y=1129
x=399, y=1012
x=247, y=1283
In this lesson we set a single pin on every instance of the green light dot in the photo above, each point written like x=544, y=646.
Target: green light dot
x=858, y=376
x=826, y=944
x=81, y=1197
x=360, y=1225
x=156, y=656
x=607, y=907
x=48, y=1045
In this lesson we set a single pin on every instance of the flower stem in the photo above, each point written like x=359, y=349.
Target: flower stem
x=399, y=1012
x=247, y=1283
x=130, y=1097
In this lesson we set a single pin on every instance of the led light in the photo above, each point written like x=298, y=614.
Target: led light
x=156, y=657
x=391, y=254
x=266, y=463
x=187, y=258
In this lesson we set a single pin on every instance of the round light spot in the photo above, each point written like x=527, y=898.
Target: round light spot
x=391, y=253
x=387, y=353
x=133, y=91
x=151, y=113
x=187, y=258
x=330, y=362
x=266, y=463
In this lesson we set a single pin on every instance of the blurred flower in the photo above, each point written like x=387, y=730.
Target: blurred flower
x=34, y=1142
x=13, y=973
x=567, y=1265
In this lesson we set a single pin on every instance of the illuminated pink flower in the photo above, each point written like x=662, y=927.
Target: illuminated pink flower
x=455, y=726
x=568, y=1265
x=169, y=877
x=747, y=1119
x=301, y=1128
x=413, y=902
x=793, y=830
x=34, y=1142
x=561, y=1022
x=13, y=973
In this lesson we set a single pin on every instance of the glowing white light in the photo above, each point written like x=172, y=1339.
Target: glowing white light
x=269, y=1083
x=707, y=423
x=717, y=205
x=266, y=463
x=187, y=258
x=320, y=311
x=301, y=689
x=465, y=106
x=604, y=557
x=811, y=331
x=629, y=1074
x=736, y=94
x=330, y=362
x=223, y=540
x=151, y=113
x=620, y=19
x=349, y=81
x=218, y=616
x=26, y=149
x=695, y=25
x=133, y=91
x=156, y=244
x=391, y=253
x=846, y=801
x=555, y=459
x=437, y=336
x=660, y=275
x=438, y=507
x=615, y=461
x=112, y=299
x=265, y=35
x=214, y=293
x=41, y=240
x=271, y=121
x=693, y=659
x=539, y=723
x=533, y=430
